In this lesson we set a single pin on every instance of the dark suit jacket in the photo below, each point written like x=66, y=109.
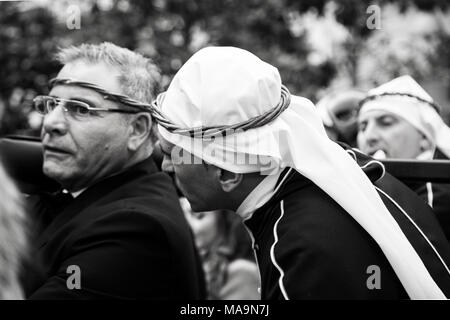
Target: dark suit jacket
x=128, y=236
x=308, y=247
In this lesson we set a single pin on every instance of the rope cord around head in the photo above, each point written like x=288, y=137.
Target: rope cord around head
x=205, y=132
x=376, y=96
x=165, y=122
x=143, y=107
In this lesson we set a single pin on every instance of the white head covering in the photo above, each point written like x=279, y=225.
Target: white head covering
x=225, y=85
x=419, y=114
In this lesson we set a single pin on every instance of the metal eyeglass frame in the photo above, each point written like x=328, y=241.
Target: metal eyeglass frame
x=62, y=102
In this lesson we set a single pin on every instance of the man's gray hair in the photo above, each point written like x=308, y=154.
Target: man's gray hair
x=139, y=78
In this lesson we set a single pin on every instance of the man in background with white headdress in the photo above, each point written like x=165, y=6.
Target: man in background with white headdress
x=399, y=119
x=325, y=222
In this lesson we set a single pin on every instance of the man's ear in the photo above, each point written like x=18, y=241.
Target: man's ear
x=229, y=180
x=141, y=125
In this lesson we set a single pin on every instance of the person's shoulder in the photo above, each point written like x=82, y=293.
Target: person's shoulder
x=135, y=208
x=147, y=197
x=307, y=210
x=137, y=216
x=308, y=199
x=320, y=224
x=131, y=184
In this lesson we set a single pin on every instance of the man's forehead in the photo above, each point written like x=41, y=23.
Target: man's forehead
x=74, y=92
x=100, y=74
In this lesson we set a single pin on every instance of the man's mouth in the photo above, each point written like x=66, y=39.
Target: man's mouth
x=378, y=154
x=54, y=149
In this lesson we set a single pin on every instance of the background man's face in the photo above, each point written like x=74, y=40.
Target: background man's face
x=380, y=130
x=80, y=151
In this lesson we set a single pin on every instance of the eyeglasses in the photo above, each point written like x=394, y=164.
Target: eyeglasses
x=76, y=109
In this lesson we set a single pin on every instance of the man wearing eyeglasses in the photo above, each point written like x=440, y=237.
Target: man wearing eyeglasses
x=123, y=235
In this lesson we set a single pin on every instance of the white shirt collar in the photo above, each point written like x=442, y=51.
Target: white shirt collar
x=77, y=193
x=260, y=195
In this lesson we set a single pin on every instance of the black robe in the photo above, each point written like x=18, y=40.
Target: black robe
x=308, y=247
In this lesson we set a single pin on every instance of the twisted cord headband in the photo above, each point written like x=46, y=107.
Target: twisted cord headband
x=143, y=107
x=209, y=131
x=376, y=96
x=197, y=132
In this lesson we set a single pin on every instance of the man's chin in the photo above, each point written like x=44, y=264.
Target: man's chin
x=55, y=172
x=201, y=206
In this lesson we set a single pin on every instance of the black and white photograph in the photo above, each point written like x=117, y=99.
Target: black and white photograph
x=220, y=156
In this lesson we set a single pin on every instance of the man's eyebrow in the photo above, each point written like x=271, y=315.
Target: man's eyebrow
x=388, y=116
x=81, y=99
x=85, y=100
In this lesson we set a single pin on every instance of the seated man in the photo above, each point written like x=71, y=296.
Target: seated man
x=321, y=226
x=400, y=120
x=123, y=235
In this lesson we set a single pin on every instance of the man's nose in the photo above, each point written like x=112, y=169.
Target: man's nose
x=371, y=134
x=55, y=122
x=167, y=165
